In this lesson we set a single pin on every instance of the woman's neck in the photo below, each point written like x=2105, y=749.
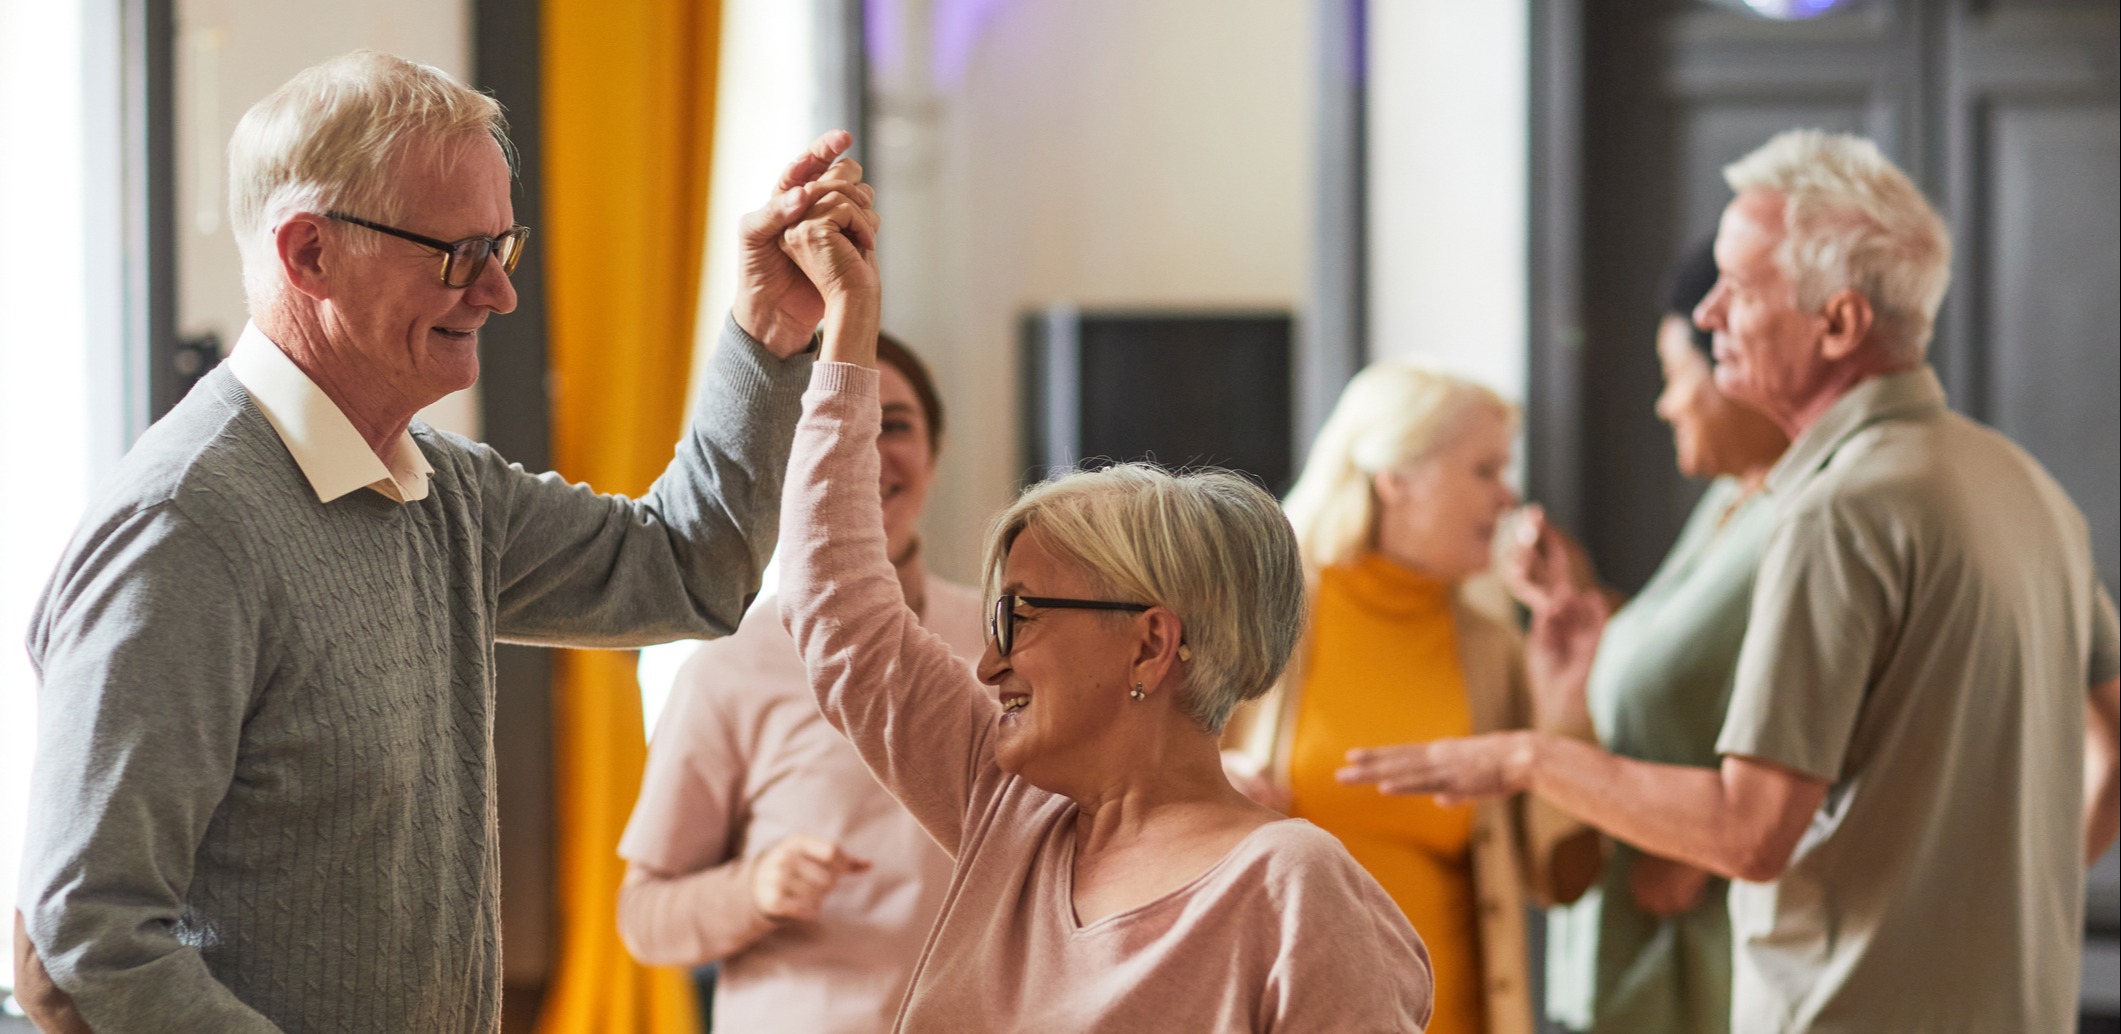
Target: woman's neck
x=1754, y=477
x=1407, y=560
x=1163, y=801
x=1750, y=482
x=1158, y=833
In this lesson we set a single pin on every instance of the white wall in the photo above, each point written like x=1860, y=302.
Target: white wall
x=1447, y=170
x=1106, y=152
x=765, y=113
x=229, y=55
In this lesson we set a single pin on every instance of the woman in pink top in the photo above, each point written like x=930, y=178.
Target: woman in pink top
x=760, y=839
x=1107, y=876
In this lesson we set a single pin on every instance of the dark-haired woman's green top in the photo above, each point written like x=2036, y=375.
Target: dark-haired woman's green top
x=1658, y=691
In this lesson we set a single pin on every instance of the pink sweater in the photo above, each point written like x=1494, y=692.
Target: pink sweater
x=1285, y=933
x=741, y=760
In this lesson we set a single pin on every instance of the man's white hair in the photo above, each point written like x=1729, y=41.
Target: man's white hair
x=1853, y=220
x=336, y=137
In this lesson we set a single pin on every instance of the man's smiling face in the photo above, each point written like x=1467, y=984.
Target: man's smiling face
x=1767, y=349
x=389, y=306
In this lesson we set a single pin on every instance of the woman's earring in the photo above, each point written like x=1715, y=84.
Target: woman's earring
x=1137, y=692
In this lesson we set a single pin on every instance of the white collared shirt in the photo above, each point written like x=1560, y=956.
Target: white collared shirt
x=325, y=444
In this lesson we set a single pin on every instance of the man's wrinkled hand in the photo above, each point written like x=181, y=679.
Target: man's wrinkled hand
x=1453, y=771
x=49, y=1008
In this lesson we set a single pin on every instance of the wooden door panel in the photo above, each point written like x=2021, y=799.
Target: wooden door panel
x=2052, y=335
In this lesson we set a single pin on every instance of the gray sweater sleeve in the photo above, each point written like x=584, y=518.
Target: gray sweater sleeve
x=685, y=560
x=151, y=655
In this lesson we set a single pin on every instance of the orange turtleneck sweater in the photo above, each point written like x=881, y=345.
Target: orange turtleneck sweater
x=1383, y=669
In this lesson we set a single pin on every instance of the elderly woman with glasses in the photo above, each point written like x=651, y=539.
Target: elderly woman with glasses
x=1106, y=874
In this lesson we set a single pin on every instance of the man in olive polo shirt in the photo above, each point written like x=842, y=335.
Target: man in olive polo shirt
x=1920, y=756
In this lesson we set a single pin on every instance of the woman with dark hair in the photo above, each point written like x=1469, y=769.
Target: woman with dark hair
x=1648, y=947
x=760, y=840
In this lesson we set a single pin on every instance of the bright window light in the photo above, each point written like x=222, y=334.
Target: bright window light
x=44, y=402
x=765, y=112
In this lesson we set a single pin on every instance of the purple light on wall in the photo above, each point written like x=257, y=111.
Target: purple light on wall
x=884, y=36
x=958, y=25
x=1798, y=10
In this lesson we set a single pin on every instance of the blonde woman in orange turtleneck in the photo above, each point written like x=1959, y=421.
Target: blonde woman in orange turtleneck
x=1395, y=511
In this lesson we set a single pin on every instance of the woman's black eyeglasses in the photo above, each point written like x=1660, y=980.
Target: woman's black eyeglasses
x=462, y=261
x=1001, y=625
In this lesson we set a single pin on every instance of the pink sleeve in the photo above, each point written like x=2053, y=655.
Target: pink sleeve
x=687, y=898
x=1349, y=961
x=922, y=723
x=688, y=920
x=688, y=815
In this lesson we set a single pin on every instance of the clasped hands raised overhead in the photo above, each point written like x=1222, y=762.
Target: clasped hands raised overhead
x=808, y=256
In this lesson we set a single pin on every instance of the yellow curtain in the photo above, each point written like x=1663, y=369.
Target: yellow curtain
x=628, y=120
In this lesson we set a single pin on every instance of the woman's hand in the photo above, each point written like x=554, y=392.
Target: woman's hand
x=1663, y=887
x=775, y=302
x=790, y=880
x=1558, y=655
x=1542, y=565
x=1250, y=779
x=834, y=245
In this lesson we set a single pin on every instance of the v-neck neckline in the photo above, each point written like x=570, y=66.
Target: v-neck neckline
x=1077, y=928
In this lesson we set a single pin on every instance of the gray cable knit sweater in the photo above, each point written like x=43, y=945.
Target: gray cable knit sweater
x=264, y=790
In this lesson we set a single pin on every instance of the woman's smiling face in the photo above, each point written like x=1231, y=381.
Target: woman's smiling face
x=1439, y=513
x=1063, y=684
x=907, y=452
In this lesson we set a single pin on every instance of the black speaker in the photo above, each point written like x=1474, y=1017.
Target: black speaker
x=1185, y=389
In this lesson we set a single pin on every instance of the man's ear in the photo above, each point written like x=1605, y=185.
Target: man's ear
x=1849, y=318
x=299, y=244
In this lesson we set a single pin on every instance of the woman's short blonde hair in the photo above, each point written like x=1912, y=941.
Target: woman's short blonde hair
x=1209, y=545
x=1390, y=416
x=1852, y=219
x=336, y=137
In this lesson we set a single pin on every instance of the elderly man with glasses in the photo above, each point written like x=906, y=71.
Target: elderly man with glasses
x=264, y=791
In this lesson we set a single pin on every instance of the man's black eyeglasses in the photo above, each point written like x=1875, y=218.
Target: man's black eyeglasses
x=1001, y=625
x=462, y=261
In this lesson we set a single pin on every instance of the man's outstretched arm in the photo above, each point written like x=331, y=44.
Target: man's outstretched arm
x=1742, y=820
